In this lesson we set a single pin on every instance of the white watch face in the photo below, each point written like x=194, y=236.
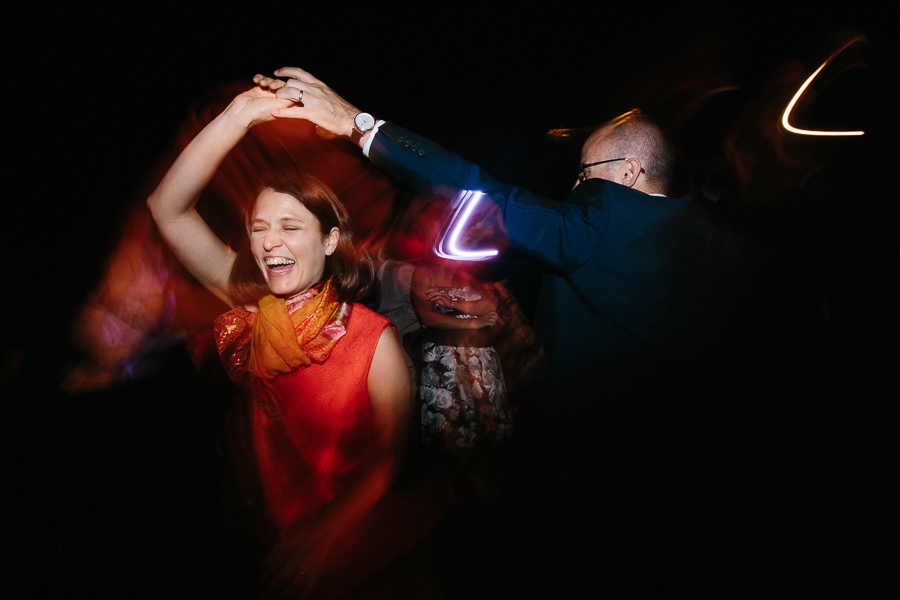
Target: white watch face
x=364, y=122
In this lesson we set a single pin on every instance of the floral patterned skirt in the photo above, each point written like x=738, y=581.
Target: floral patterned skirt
x=463, y=397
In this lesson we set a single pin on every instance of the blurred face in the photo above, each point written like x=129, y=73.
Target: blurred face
x=287, y=243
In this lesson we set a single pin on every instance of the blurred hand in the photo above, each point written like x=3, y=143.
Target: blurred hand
x=488, y=320
x=439, y=297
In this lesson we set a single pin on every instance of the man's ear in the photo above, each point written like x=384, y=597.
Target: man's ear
x=630, y=172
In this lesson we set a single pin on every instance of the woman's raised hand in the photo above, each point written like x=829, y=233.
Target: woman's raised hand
x=255, y=106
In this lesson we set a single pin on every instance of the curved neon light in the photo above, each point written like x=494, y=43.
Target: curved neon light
x=448, y=245
x=790, y=106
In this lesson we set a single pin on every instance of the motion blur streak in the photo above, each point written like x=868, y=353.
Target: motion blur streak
x=790, y=106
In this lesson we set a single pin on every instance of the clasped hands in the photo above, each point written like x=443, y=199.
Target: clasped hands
x=441, y=297
x=310, y=99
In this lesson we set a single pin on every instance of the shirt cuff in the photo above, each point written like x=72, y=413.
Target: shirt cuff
x=368, y=143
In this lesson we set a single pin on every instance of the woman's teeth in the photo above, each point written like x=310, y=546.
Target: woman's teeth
x=278, y=264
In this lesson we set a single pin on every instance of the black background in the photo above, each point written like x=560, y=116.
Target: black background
x=95, y=92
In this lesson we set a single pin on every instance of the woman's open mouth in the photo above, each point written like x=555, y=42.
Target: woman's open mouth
x=278, y=265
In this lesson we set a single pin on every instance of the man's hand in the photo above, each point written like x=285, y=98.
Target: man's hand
x=312, y=100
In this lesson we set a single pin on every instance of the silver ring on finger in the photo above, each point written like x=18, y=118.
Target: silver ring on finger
x=299, y=96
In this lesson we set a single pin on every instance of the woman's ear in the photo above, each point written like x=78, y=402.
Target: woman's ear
x=331, y=240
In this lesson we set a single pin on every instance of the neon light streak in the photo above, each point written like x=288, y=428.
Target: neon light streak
x=790, y=106
x=448, y=245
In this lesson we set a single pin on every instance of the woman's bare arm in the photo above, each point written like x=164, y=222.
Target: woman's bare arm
x=173, y=202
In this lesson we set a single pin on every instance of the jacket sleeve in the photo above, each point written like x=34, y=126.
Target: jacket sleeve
x=562, y=235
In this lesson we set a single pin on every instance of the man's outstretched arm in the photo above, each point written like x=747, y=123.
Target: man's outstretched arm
x=560, y=234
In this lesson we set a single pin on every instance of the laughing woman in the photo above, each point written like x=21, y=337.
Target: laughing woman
x=326, y=390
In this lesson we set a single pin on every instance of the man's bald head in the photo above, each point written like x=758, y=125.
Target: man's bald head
x=650, y=158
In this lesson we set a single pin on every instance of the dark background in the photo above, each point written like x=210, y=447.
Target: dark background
x=95, y=94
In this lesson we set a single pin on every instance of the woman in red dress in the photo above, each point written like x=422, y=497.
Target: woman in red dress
x=327, y=397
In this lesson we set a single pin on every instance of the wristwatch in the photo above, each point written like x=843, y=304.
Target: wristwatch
x=362, y=124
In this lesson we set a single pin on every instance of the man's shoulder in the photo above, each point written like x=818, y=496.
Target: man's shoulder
x=600, y=193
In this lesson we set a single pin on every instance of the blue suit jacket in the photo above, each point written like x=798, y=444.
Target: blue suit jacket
x=627, y=283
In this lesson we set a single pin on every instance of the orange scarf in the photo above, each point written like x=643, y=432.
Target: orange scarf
x=291, y=334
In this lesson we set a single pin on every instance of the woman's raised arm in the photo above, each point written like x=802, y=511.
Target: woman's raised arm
x=173, y=202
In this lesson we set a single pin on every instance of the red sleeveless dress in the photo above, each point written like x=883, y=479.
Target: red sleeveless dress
x=304, y=432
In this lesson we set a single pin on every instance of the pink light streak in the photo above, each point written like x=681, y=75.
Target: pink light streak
x=447, y=246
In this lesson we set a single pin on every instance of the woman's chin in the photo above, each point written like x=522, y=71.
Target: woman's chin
x=278, y=288
x=283, y=289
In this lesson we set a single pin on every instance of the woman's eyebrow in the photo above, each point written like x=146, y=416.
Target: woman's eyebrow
x=279, y=220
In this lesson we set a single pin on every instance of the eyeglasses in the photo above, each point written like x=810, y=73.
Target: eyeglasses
x=583, y=168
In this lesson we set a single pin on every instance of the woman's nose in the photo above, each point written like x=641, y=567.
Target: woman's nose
x=272, y=240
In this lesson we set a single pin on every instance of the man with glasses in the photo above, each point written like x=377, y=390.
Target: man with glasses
x=625, y=293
